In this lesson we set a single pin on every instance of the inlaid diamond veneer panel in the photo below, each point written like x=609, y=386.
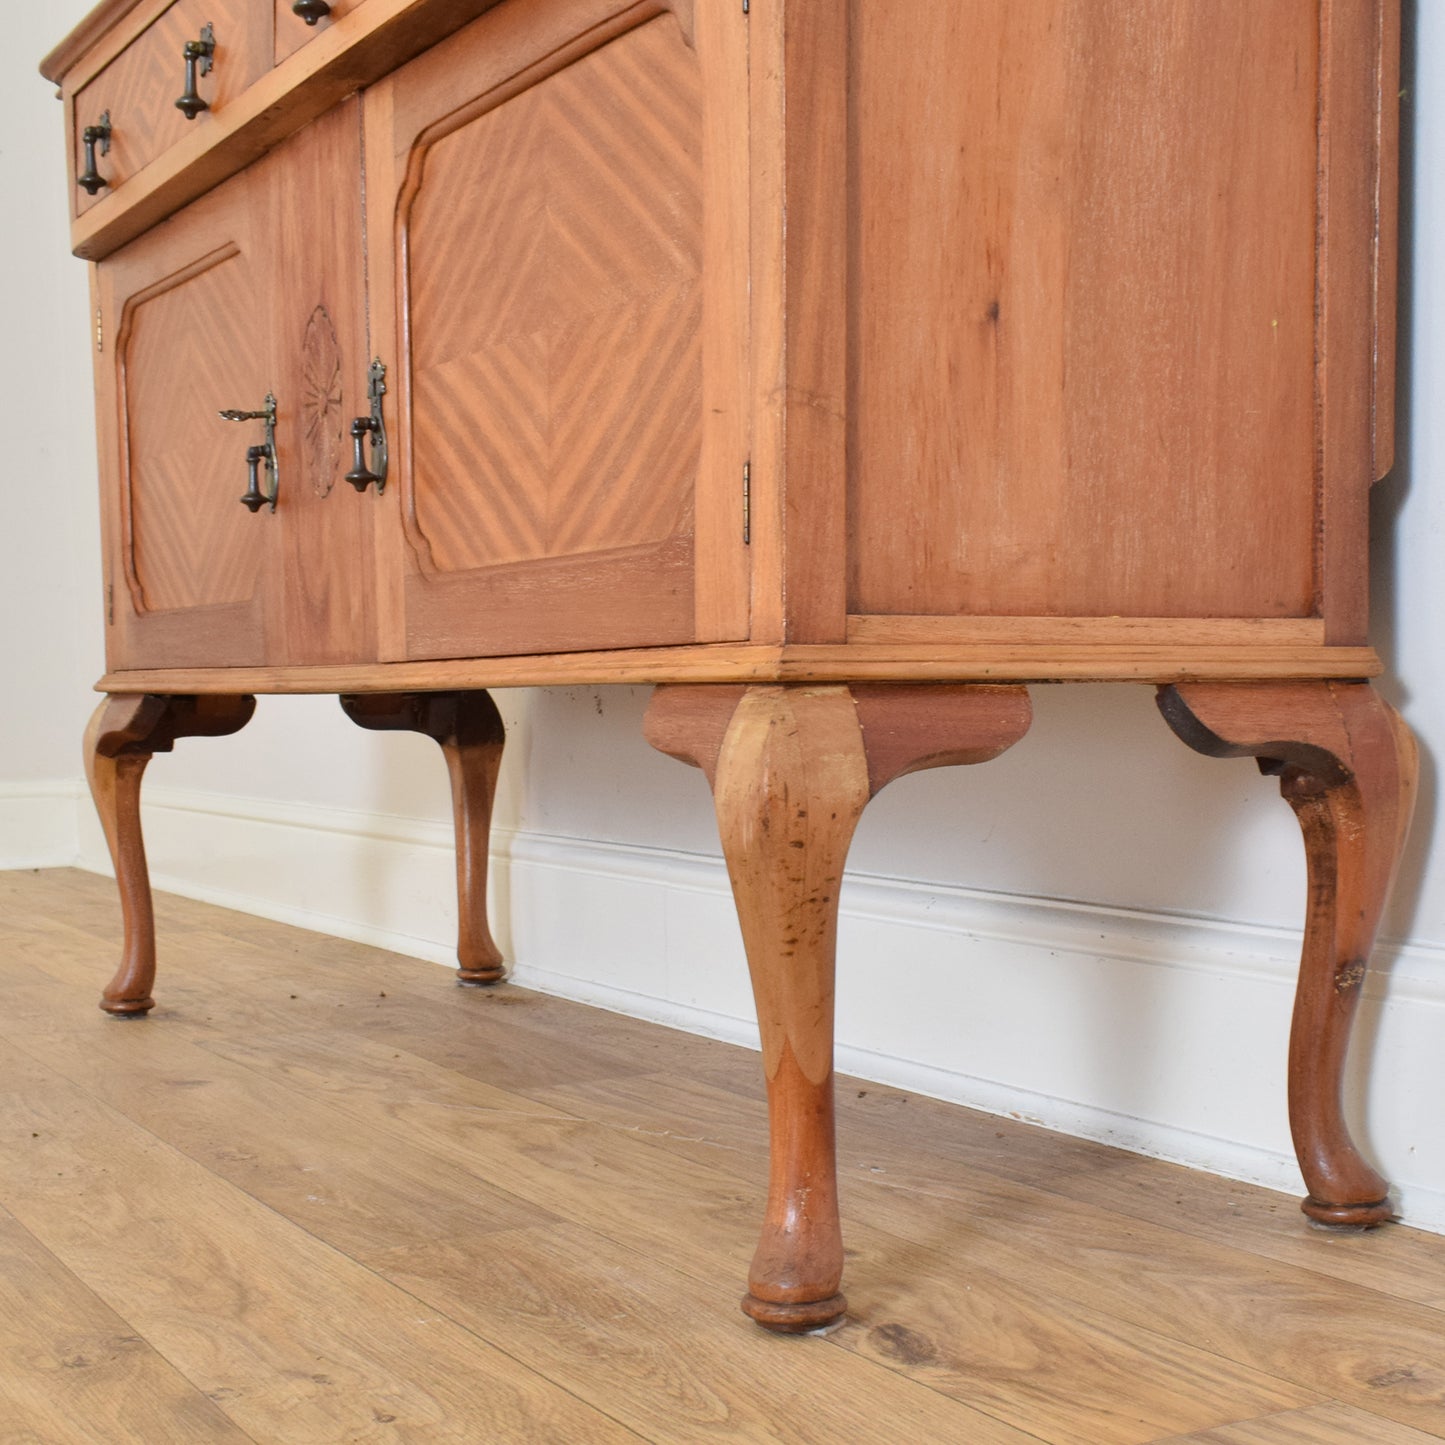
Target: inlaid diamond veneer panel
x=556, y=335
x=188, y=352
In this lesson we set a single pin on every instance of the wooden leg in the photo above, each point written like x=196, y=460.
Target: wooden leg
x=124, y=733
x=1347, y=766
x=791, y=770
x=469, y=729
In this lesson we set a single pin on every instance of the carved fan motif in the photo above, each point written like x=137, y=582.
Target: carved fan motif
x=321, y=402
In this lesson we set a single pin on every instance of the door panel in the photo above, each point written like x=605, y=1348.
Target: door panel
x=555, y=240
x=1083, y=308
x=182, y=350
x=186, y=564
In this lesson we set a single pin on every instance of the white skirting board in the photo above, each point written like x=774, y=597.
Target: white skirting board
x=38, y=824
x=1162, y=1034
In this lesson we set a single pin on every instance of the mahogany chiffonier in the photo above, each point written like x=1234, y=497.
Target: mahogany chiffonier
x=837, y=366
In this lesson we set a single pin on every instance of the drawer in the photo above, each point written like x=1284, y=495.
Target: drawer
x=140, y=87
x=292, y=31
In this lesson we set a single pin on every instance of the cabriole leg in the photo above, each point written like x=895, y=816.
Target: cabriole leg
x=791, y=770
x=124, y=733
x=1347, y=765
x=469, y=730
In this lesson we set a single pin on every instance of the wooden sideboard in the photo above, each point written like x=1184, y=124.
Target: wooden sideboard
x=838, y=366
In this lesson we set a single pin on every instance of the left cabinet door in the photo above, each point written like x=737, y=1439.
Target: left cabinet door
x=253, y=291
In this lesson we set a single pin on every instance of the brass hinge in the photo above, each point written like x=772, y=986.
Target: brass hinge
x=99, y=330
x=747, y=504
x=110, y=604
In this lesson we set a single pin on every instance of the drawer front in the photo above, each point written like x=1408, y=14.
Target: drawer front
x=292, y=30
x=138, y=90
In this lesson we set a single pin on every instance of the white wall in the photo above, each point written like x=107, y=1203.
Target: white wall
x=49, y=549
x=1098, y=930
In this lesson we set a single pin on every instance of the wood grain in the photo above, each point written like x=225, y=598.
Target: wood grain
x=1084, y=338
x=799, y=147
x=557, y=411
x=140, y=86
x=186, y=566
x=293, y=1339
x=469, y=730
x=1404, y=1263
x=366, y=45
x=1348, y=766
x=559, y=433
x=307, y=206
x=109, y=23
x=1079, y=662
x=969, y=1333
x=1353, y=210
x=1325, y=1425
x=69, y=1359
x=123, y=735
x=292, y=32
x=791, y=771
x=985, y=1309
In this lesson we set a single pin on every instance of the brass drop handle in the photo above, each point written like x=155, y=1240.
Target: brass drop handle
x=362, y=476
x=255, y=498
x=200, y=58
x=91, y=180
x=259, y=458
x=311, y=10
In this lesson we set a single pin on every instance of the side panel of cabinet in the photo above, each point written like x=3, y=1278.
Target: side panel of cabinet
x=255, y=289
x=1084, y=264
x=559, y=196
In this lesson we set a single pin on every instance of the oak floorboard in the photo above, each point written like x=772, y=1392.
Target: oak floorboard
x=1285, y=1320
x=639, y=1341
x=293, y=1340
x=1323, y=1425
x=1396, y=1259
x=314, y=1164
x=1000, y=1347
x=1281, y=1319
x=878, y=1124
x=72, y=1369
x=366, y=990
x=534, y=1220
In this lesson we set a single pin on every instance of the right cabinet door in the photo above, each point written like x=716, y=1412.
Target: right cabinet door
x=558, y=221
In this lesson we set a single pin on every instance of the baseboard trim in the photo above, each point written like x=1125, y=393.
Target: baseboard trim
x=38, y=824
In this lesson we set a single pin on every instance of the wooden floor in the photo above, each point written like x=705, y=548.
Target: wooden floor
x=324, y=1195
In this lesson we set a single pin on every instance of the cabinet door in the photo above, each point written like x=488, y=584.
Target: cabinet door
x=179, y=340
x=557, y=203
x=255, y=289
